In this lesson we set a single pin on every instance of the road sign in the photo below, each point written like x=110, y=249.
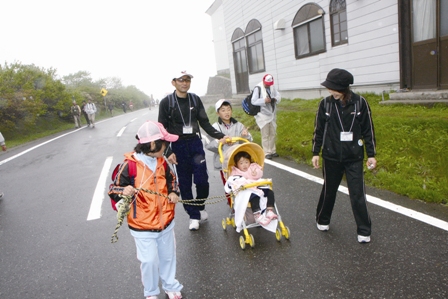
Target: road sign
x=103, y=92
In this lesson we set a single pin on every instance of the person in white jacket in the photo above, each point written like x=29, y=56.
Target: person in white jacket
x=267, y=97
x=90, y=109
x=3, y=144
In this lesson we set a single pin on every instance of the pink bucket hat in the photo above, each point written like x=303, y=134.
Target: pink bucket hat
x=151, y=131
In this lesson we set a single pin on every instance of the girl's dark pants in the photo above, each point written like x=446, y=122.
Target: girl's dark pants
x=255, y=199
x=191, y=166
x=333, y=172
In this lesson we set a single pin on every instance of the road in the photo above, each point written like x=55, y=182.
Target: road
x=49, y=248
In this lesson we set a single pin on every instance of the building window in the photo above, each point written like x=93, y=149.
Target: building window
x=254, y=41
x=338, y=19
x=308, y=30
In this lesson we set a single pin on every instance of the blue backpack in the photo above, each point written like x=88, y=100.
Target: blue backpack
x=247, y=105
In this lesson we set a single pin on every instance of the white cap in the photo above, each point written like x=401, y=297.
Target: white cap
x=181, y=74
x=220, y=102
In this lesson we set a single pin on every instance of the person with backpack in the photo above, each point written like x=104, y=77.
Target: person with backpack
x=183, y=113
x=343, y=129
x=83, y=110
x=267, y=97
x=90, y=109
x=151, y=215
x=76, y=112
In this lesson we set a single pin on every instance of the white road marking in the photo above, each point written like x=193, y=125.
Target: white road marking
x=374, y=200
x=121, y=132
x=98, y=196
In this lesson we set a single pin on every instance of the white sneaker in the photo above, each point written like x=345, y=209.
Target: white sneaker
x=204, y=215
x=152, y=297
x=363, y=239
x=194, y=224
x=322, y=227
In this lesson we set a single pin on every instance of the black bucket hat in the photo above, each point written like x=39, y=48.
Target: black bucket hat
x=338, y=79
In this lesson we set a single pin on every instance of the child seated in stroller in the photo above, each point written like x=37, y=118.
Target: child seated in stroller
x=261, y=197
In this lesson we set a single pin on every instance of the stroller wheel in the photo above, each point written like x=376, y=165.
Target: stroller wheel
x=224, y=223
x=242, y=243
x=252, y=241
x=286, y=233
x=233, y=222
x=278, y=234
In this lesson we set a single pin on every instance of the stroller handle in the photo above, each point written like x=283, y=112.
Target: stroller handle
x=229, y=140
x=263, y=182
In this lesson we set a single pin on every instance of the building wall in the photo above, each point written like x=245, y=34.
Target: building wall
x=371, y=55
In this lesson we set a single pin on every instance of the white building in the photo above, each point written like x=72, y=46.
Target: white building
x=385, y=44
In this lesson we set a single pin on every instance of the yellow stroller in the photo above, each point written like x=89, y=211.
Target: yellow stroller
x=257, y=155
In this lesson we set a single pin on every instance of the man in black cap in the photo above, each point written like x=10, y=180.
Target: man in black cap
x=343, y=128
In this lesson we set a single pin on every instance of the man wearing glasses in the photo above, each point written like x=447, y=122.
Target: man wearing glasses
x=181, y=113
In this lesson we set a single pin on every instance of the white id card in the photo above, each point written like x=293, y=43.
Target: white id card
x=346, y=136
x=187, y=130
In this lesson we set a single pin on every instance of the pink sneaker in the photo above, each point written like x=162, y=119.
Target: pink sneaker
x=261, y=219
x=271, y=215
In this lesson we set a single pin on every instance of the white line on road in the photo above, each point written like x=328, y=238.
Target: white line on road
x=98, y=196
x=121, y=132
x=36, y=146
x=374, y=200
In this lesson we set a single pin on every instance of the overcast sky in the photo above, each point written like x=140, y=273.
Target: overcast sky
x=143, y=42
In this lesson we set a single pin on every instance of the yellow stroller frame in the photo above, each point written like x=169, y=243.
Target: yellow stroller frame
x=257, y=155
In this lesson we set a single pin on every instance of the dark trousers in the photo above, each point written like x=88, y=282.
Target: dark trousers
x=333, y=173
x=87, y=118
x=191, y=166
x=255, y=199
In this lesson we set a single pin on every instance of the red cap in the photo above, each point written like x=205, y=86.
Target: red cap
x=268, y=80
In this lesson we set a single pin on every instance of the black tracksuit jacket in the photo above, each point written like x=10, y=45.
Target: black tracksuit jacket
x=354, y=115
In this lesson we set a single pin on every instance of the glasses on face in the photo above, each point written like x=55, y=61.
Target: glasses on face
x=182, y=80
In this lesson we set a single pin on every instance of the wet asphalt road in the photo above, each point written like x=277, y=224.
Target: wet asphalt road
x=49, y=250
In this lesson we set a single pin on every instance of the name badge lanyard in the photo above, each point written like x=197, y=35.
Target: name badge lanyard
x=346, y=136
x=187, y=129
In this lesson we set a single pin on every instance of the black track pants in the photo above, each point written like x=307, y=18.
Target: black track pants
x=333, y=173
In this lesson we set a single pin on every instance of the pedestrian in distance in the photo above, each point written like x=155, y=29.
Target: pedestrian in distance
x=343, y=130
x=83, y=109
x=3, y=145
x=90, y=109
x=111, y=108
x=267, y=97
x=228, y=126
x=151, y=216
x=183, y=113
x=76, y=113
x=123, y=105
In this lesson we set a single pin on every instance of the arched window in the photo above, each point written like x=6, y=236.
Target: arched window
x=338, y=19
x=240, y=61
x=308, y=29
x=255, y=53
